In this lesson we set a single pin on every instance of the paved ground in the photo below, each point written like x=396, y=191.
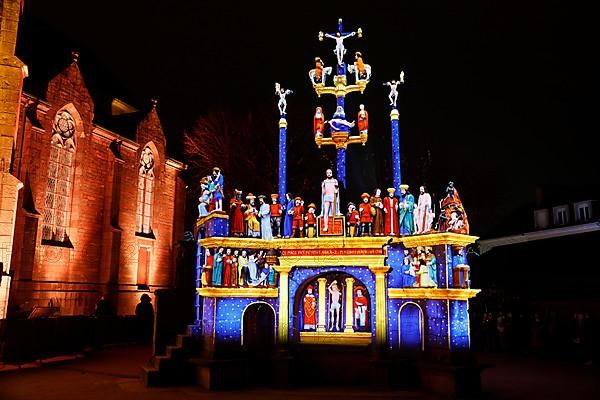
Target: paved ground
x=114, y=373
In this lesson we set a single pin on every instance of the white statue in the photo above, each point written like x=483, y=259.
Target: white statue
x=281, y=92
x=340, y=50
x=393, y=96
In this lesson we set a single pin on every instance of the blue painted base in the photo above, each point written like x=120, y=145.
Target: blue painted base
x=216, y=227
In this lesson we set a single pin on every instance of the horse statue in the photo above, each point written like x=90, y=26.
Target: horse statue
x=366, y=76
x=312, y=75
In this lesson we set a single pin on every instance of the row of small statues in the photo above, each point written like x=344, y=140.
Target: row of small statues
x=238, y=268
x=374, y=216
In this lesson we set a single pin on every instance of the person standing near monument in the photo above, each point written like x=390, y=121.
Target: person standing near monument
x=330, y=201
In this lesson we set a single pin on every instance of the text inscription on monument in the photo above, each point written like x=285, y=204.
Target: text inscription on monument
x=330, y=252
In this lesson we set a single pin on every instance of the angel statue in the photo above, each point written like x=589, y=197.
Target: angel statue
x=281, y=92
x=393, y=96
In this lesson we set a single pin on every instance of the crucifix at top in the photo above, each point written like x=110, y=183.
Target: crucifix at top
x=340, y=128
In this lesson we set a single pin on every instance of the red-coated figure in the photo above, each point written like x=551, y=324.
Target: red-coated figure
x=390, y=213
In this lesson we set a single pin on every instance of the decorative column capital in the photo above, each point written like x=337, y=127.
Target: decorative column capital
x=282, y=123
x=283, y=269
x=379, y=269
x=350, y=281
x=394, y=114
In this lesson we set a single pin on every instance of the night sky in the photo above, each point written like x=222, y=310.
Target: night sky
x=495, y=98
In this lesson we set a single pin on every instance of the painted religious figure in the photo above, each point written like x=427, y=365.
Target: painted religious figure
x=298, y=218
x=360, y=310
x=264, y=213
x=289, y=216
x=338, y=122
x=311, y=220
x=330, y=200
x=250, y=216
x=423, y=213
x=335, y=306
x=453, y=217
x=236, y=215
x=407, y=270
x=276, y=213
x=390, y=210
x=366, y=219
x=243, y=274
x=319, y=122
x=363, y=120
x=431, y=262
x=377, y=213
x=217, y=274
x=352, y=220
x=204, y=199
x=339, y=50
x=217, y=192
x=309, y=307
x=406, y=206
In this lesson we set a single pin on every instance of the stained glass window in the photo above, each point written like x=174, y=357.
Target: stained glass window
x=145, y=189
x=57, y=202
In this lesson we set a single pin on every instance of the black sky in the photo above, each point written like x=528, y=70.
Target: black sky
x=495, y=98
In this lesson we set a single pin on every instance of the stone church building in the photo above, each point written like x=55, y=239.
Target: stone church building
x=85, y=211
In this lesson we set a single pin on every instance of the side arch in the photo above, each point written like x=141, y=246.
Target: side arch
x=411, y=327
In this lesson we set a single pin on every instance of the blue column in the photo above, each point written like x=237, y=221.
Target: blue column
x=282, y=159
x=341, y=167
x=396, y=149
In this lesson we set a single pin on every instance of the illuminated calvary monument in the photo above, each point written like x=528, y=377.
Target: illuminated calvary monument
x=339, y=126
x=397, y=294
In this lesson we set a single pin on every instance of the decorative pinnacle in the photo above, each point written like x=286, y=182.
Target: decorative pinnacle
x=154, y=102
x=74, y=56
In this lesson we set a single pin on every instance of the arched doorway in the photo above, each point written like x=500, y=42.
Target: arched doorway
x=258, y=330
x=410, y=327
x=258, y=341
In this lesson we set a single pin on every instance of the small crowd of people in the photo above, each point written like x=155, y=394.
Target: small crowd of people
x=573, y=336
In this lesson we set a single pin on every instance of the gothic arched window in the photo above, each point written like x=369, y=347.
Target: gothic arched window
x=57, y=203
x=145, y=189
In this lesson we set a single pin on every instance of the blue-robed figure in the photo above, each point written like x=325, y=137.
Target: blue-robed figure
x=264, y=212
x=217, y=276
x=289, y=216
x=338, y=122
x=407, y=270
x=406, y=208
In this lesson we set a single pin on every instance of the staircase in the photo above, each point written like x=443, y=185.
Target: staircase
x=174, y=368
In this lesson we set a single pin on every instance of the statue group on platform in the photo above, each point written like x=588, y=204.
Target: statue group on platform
x=238, y=268
x=211, y=196
x=390, y=215
x=333, y=321
x=419, y=268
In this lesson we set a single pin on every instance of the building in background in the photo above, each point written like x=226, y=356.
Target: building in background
x=99, y=212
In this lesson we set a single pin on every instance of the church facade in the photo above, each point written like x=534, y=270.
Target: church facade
x=97, y=213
